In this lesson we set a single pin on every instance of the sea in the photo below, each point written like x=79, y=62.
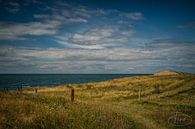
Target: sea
x=12, y=81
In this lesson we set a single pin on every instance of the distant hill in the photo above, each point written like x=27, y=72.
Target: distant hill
x=168, y=72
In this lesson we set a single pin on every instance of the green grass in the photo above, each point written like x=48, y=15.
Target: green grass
x=105, y=105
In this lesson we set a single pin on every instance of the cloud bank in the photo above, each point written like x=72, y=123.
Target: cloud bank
x=111, y=60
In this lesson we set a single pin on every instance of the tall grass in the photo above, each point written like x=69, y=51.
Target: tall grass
x=39, y=112
x=105, y=105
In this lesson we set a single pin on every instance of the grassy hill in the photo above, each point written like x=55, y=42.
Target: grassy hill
x=169, y=73
x=113, y=104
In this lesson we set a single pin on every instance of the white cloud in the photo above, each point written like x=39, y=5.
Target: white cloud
x=63, y=14
x=77, y=20
x=47, y=25
x=15, y=31
x=41, y=16
x=190, y=25
x=13, y=7
x=97, y=38
x=134, y=16
x=94, y=35
x=112, y=60
x=70, y=14
x=61, y=18
x=14, y=4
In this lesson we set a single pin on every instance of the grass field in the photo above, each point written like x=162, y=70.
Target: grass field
x=166, y=102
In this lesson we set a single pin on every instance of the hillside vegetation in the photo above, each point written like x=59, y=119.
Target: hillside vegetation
x=169, y=72
x=113, y=104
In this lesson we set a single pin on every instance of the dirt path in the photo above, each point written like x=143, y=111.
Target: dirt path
x=135, y=114
x=132, y=112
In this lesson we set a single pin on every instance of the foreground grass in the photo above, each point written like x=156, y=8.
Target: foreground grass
x=106, y=105
x=21, y=111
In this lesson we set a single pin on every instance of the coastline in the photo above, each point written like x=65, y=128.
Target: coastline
x=139, y=102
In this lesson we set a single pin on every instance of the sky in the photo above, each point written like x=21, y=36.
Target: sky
x=97, y=36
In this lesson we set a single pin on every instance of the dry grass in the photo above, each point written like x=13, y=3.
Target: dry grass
x=105, y=105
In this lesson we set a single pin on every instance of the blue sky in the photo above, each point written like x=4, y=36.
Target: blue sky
x=97, y=36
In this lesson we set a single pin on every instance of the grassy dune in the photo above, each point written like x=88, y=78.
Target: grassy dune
x=111, y=104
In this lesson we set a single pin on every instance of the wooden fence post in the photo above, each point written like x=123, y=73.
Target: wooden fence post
x=21, y=89
x=18, y=88
x=36, y=90
x=139, y=93
x=72, y=94
x=141, y=88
